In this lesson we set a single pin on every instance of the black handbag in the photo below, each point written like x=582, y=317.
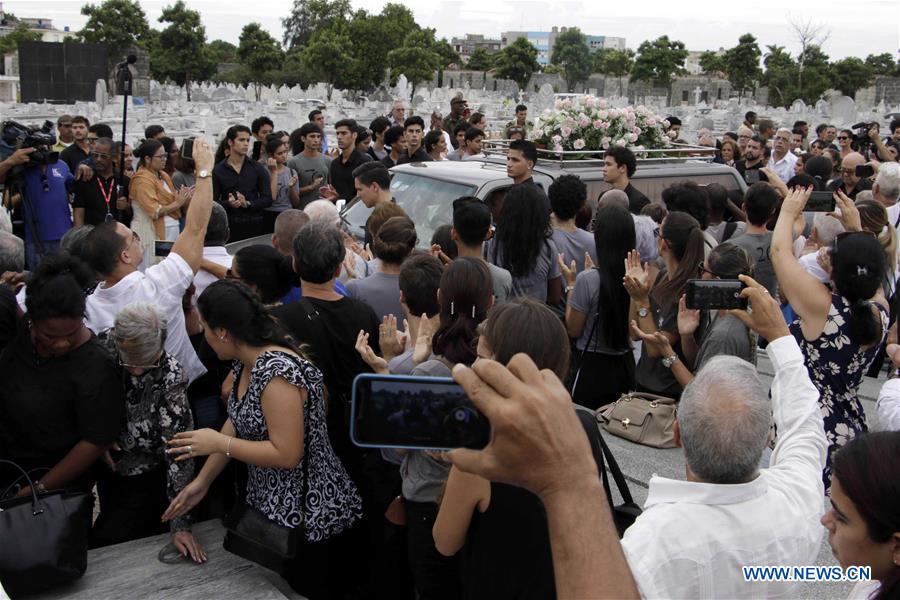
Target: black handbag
x=624, y=514
x=44, y=538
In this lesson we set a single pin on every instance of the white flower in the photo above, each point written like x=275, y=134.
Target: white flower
x=556, y=139
x=579, y=144
x=632, y=137
x=598, y=124
x=566, y=131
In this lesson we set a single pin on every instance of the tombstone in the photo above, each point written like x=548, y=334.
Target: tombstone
x=798, y=106
x=697, y=94
x=843, y=109
x=100, y=93
x=822, y=106
x=402, y=89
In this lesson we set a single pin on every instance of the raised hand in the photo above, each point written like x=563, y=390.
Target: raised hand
x=637, y=277
x=688, y=318
x=588, y=261
x=766, y=317
x=427, y=327
x=656, y=340
x=375, y=362
x=849, y=214
x=568, y=272
x=391, y=341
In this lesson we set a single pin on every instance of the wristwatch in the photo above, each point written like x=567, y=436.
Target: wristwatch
x=643, y=312
x=203, y=174
x=668, y=361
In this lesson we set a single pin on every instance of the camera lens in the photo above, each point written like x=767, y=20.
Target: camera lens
x=462, y=415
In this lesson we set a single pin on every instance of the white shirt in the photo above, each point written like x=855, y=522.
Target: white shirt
x=810, y=263
x=216, y=254
x=163, y=285
x=693, y=538
x=888, y=406
x=784, y=168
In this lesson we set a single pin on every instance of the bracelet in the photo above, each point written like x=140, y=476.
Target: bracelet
x=228, y=446
x=39, y=487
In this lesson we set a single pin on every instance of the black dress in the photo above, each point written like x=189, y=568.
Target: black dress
x=507, y=551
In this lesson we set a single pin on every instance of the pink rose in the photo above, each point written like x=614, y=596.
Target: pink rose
x=636, y=131
x=598, y=124
x=605, y=142
x=579, y=144
x=556, y=139
x=632, y=137
x=585, y=122
x=566, y=132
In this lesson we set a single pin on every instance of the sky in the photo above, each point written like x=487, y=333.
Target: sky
x=856, y=28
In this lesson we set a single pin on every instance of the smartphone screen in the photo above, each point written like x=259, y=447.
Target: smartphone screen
x=864, y=171
x=187, y=148
x=751, y=176
x=715, y=294
x=820, y=202
x=162, y=247
x=422, y=413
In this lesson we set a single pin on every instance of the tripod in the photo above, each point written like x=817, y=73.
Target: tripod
x=124, y=81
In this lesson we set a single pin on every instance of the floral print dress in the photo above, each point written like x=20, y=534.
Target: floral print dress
x=836, y=366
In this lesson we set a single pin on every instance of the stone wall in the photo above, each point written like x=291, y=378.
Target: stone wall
x=885, y=89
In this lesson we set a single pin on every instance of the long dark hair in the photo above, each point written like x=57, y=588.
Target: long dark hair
x=465, y=296
x=528, y=326
x=685, y=239
x=857, y=270
x=522, y=229
x=147, y=149
x=874, y=492
x=614, y=237
x=233, y=306
x=268, y=269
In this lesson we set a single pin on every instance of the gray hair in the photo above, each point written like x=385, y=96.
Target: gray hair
x=827, y=228
x=613, y=196
x=217, y=229
x=645, y=239
x=323, y=210
x=790, y=132
x=724, y=418
x=140, y=332
x=888, y=180
x=287, y=225
x=318, y=251
x=12, y=253
x=73, y=240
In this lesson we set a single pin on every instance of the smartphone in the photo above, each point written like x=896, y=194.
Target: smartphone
x=187, y=148
x=715, y=294
x=421, y=413
x=257, y=149
x=751, y=176
x=864, y=171
x=820, y=202
x=162, y=247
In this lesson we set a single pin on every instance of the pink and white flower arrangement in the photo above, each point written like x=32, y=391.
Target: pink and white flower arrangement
x=588, y=123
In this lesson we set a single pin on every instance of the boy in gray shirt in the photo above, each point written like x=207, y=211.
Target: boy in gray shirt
x=310, y=165
x=471, y=227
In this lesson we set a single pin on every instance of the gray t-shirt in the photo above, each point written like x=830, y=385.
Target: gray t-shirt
x=180, y=179
x=758, y=246
x=573, y=244
x=727, y=336
x=717, y=231
x=584, y=300
x=307, y=170
x=503, y=285
x=534, y=284
x=380, y=291
x=282, y=200
x=402, y=364
x=423, y=476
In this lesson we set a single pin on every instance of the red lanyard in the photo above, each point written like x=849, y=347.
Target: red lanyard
x=107, y=194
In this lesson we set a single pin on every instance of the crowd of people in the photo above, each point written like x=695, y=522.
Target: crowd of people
x=139, y=357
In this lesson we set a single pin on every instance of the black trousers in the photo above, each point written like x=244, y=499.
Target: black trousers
x=603, y=378
x=436, y=577
x=330, y=569
x=130, y=507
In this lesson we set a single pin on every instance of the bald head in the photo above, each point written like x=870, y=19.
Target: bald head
x=848, y=169
x=613, y=197
x=287, y=225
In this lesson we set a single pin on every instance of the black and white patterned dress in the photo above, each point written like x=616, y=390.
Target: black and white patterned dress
x=328, y=502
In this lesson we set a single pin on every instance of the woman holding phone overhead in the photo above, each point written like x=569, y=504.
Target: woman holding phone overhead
x=840, y=325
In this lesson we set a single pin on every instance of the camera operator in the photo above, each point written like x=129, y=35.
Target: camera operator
x=849, y=182
x=881, y=150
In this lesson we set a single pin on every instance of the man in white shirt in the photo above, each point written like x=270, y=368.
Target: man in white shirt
x=114, y=252
x=213, y=248
x=694, y=536
x=782, y=160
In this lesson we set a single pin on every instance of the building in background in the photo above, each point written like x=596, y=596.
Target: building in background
x=543, y=41
x=466, y=45
x=692, y=62
x=9, y=63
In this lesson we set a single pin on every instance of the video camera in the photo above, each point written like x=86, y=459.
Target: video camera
x=861, y=136
x=41, y=139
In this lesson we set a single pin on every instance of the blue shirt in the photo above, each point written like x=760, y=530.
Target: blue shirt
x=49, y=198
x=296, y=293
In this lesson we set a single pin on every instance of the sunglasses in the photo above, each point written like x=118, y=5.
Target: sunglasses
x=843, y=137
x=144, y=367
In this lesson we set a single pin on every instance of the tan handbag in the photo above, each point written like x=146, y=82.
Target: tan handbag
x=642, y=418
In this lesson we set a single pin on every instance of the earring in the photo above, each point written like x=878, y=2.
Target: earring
x=221, y=338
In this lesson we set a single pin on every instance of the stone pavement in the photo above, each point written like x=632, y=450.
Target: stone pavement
x=639, y=463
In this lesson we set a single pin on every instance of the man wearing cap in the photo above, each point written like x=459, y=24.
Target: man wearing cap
x=457, y=114
x=64, y=136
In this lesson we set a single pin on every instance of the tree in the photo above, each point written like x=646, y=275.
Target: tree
x=742, y=64
x=181, y=55
x=310, y=16
x=417, y=58
x=780, y=76
x=10, y=42
x=883, y=64
x=260, y=54
x=815, y=77
x=659, y=61
x=712, y=62
x=479, y=60
x=117, y=23
x=327, y=57
x=614, y=63
x=807, y=34
x=221, y=51
x=517, y=62
x=850, y=74
x=571, y=52
x=448, y=56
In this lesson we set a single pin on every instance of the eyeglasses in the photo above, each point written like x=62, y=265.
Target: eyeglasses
x=848, y=171
x=143, y=367
x=701, y=266
x=159, y=155
x=91, y=140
